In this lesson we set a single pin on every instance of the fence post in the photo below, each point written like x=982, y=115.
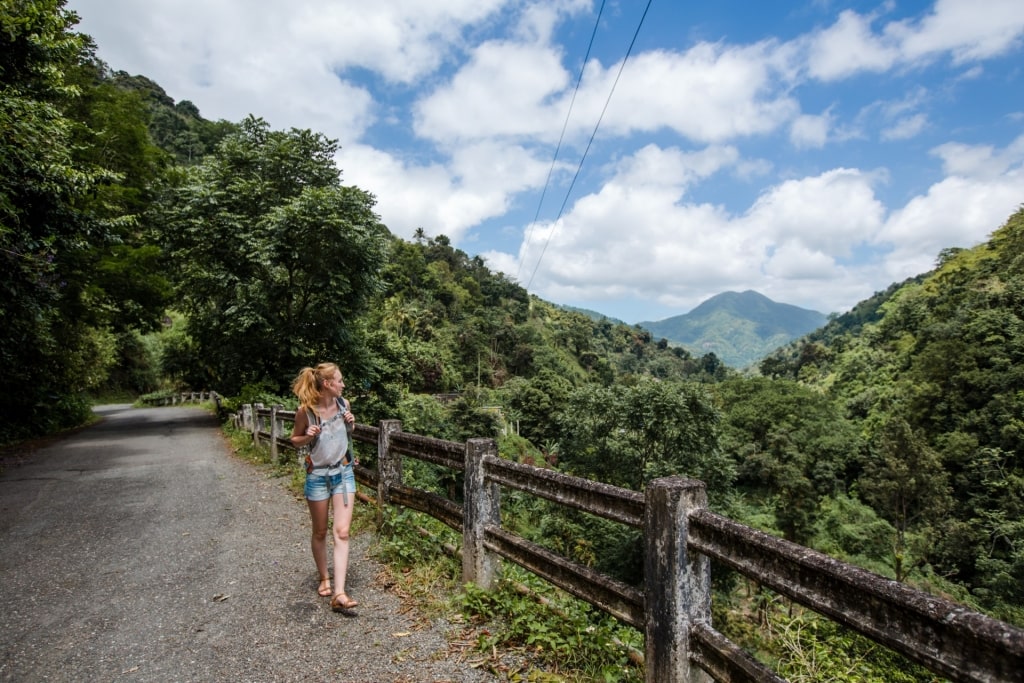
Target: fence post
x=481, y=508
x=677, y=583
x=256, y=408
x=389, y=465
x=247, y=416
x=275, y=431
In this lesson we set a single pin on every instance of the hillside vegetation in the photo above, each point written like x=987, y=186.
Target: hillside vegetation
x=932, y=373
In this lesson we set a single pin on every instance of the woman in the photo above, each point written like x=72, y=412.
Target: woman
x=323, y=422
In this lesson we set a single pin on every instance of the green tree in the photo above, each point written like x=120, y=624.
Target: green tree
x=904, y=480
x=628, y=436
x=127, y=289
x=536, y=404
x=791, y=446
x=48, y=348
x=274, y=258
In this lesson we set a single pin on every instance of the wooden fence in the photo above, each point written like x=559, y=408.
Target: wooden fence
x=183, y=397
x=681, y=536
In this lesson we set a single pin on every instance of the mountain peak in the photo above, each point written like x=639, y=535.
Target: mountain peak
x=738, y=327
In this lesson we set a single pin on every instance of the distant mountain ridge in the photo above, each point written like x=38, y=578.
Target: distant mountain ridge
x=740, y=328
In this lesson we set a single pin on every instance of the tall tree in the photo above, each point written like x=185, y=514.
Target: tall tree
x=47, y=348
x=628, y=436
x=274, y=257
x=791, y=445
x=904, y=480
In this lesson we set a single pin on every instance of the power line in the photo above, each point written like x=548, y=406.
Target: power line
x=547, y=181
x=589, y=143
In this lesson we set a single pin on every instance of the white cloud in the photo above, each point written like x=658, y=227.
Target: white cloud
x=637, y=238
x=793, y=260
x=967, y=29
x=832, y=212
x=955, y=212
x=847, y=47
x=672, y=168
x=477, y=184
x=982, y=188
x=979, y=161
x=402, y=40
x=709, y=93
x=810, y=131
x=229, y=54
x=502, y=91
x=905, y=128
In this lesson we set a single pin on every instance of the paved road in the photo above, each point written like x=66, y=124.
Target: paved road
x=139, y=549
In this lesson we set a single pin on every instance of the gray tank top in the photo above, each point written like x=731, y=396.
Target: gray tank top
x=332, y=443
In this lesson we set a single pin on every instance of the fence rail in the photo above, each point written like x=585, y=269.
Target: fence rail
x=681, y=536
x=182, y=397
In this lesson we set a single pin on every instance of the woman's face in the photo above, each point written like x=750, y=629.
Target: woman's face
x=335, y=385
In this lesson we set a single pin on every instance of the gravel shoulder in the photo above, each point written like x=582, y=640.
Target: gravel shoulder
x=140, y=549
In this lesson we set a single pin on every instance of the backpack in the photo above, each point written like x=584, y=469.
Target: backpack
x=306, y=450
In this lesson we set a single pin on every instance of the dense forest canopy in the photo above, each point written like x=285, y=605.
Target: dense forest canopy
x=146, y=248
x=932, y=372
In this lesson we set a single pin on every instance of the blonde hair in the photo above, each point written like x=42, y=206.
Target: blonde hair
x=309, y=382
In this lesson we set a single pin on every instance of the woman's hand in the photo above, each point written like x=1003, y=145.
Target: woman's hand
x=312, y=430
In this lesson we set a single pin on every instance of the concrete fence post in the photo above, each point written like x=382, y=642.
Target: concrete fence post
x=247, y=416
x=275, y=431
x=389, y=465
x=256, y=424
x=677, y=583
x=481, y=508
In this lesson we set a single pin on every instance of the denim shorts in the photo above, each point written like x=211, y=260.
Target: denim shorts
x=321, y=484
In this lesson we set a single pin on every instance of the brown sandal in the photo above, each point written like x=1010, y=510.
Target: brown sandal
x=321, y=590
x=342, y=601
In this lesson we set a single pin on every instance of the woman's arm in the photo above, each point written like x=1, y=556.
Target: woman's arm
x=300, y=437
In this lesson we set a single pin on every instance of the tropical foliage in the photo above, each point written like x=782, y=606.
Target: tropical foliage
x=272, y=258
x=931, y=372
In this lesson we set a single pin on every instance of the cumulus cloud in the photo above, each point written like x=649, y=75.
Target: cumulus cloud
x=964, y=28
x=709, y=93
x=477, y=184
x=983, y=188
x=502, y=91
x=979, y=161
x=847, y=47
x=638, y=235
x=810, y=131
x=234, y=54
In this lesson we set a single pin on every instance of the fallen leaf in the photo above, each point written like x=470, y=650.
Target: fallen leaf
x=401, y=634
x=220, y=597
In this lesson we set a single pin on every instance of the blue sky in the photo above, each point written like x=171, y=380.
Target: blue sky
x=815, y=152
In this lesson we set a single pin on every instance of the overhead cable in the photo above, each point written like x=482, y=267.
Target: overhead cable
x=589, y=143
x=547, y=181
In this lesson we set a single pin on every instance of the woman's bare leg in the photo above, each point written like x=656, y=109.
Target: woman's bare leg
x=318, y=542
x=342, y=524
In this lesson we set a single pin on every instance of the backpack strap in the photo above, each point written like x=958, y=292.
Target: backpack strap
x=313, y=419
